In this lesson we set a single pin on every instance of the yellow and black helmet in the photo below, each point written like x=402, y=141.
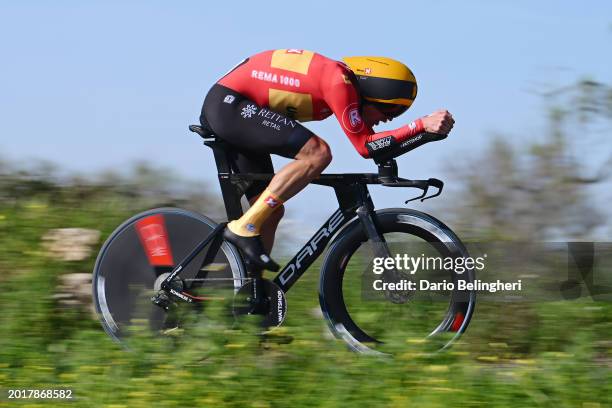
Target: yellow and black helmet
x=383, y=80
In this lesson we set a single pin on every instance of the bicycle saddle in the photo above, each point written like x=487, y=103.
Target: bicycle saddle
x=204, y=132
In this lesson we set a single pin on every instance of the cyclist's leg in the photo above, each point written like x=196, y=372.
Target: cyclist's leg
x=243, y=123
x=312, y=158
x=249, y=162
x=309, y=162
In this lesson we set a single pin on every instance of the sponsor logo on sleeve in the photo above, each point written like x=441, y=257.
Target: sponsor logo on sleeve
x=229, y=99
x=411, y=141
x=354, y=117
x=380, y=143
x=351, y=119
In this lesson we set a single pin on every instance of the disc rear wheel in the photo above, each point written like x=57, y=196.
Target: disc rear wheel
x=141, y=253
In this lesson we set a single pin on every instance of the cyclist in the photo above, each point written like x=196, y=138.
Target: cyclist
x=258, y=108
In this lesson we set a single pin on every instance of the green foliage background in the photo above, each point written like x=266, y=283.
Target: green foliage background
x=514, y=354
x=536, y=354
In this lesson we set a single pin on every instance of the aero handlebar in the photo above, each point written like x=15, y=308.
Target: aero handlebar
x=409, y=144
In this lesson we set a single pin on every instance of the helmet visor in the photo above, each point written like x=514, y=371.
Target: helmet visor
x=390, y=110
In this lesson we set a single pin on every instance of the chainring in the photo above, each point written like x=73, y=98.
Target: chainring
x=272, y=305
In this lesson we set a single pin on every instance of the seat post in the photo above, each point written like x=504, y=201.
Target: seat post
x=231, y=197
x=225, y=167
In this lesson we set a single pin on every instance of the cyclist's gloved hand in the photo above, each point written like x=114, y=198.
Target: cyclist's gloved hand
x=440, y=121
x=253, y=249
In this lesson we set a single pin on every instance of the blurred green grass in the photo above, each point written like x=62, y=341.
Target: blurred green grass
x=514, y=354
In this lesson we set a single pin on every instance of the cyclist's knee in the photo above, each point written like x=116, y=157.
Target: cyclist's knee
x=325, y=155
x=317, y=153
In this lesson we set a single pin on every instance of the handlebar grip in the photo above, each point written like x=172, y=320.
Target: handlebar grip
x=434, y=182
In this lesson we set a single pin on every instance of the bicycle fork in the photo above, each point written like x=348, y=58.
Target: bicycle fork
x=367, y=216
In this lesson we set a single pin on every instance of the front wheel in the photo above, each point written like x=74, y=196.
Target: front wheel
x=372, y=316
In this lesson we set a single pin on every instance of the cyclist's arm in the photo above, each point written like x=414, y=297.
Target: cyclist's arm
x=343, y=99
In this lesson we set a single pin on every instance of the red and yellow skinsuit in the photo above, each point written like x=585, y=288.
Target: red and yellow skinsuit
x=307, y=86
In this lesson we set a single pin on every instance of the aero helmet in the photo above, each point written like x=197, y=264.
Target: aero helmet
x=383, y=80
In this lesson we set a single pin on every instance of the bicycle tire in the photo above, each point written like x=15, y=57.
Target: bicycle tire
x=413, y=223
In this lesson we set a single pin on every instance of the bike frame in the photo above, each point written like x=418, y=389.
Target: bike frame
x=353, y=199
x=351, y=192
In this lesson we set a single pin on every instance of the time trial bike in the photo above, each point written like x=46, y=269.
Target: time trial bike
x=167, y=260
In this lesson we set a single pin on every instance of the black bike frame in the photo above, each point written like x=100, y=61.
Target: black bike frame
x=351, y=192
